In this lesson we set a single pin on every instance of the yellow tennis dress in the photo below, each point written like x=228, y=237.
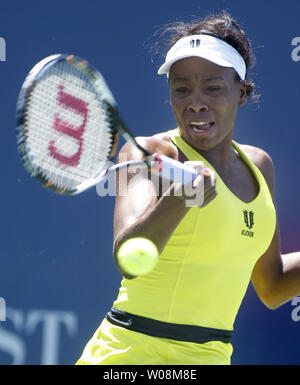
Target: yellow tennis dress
x=196, y=287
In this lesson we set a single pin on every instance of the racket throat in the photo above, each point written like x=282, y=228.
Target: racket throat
x=118, y=125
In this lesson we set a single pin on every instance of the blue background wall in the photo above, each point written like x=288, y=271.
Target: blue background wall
x=56, y=271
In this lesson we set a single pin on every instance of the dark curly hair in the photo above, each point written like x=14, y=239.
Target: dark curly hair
x=223, y=27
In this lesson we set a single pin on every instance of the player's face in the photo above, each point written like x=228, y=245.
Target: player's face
x=204, y=98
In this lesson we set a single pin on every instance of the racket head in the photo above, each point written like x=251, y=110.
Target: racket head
x=66, y=124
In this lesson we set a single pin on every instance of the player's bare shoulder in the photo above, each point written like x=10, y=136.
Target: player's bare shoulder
x=257, y=155
x=262, y=161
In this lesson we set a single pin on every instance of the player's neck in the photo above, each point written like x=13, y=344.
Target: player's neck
x=220, y=156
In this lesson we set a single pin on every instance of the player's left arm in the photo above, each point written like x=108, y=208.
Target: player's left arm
x=275, y=277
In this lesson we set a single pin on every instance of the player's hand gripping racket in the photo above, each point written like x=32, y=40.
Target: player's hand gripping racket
x=68, y=125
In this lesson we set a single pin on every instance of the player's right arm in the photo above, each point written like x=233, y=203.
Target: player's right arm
x=143, y=211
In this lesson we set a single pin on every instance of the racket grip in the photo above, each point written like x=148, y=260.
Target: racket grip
x=173, y=170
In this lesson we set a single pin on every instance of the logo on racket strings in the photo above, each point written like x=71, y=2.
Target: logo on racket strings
x=80, y=108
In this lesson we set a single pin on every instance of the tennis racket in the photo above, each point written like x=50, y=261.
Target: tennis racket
x=68, y=127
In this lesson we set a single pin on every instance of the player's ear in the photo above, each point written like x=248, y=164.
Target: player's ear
x=242, y=94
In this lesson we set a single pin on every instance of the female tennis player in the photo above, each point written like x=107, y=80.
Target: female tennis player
x=183, y=311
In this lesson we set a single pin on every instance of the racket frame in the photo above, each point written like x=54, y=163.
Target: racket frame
x=110, y=104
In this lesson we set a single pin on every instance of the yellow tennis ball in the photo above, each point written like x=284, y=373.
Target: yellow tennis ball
x=138, y=256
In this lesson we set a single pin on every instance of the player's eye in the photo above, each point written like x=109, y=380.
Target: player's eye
x=181, y=89
x=213, y=88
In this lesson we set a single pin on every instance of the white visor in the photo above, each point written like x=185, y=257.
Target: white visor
x=206, y=47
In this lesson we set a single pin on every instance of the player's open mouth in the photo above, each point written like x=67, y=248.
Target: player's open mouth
x=201, y=127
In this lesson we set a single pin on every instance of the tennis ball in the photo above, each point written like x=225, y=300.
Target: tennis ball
x=138, y=256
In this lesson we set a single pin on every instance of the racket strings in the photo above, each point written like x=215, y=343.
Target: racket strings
x=62, y=121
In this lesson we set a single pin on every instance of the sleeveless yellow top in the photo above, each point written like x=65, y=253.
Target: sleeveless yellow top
x=204, y=271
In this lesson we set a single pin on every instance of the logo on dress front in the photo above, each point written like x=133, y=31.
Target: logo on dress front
x=249, y=218
x=249, y=222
